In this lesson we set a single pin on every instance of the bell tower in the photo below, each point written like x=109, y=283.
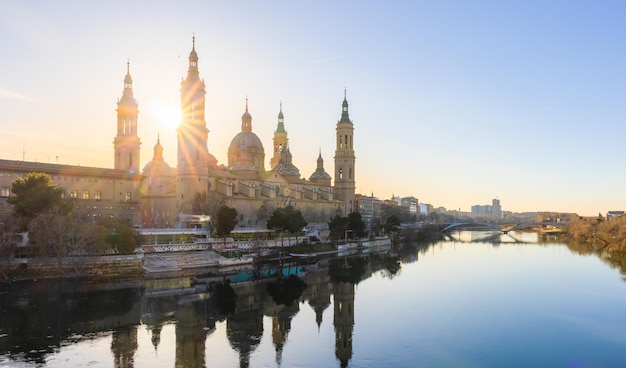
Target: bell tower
x=280, y=138
x=192, y=136
x=345, y=184
x=126, y=143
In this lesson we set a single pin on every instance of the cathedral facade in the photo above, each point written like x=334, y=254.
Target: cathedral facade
x=159, y=195
x=199, y=184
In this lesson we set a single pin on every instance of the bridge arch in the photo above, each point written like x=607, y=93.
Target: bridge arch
x=477, y=226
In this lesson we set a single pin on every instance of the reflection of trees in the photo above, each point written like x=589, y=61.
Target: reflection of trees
x=614, y=259
x=225, y=298
x=123, y=346
x=286, y=290
x=39, y=316
x=390, y=267
x=347, y=269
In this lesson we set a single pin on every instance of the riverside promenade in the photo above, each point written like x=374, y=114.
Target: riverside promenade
x=188, y=263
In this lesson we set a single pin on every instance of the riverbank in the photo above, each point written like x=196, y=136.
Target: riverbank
x=152, y=265
x=177, y=259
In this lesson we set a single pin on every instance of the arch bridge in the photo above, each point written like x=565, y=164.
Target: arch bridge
x=505, y=228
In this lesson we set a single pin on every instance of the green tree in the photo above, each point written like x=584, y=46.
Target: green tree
x=225, y=220
x=392, y=224
x=119, y=236
x=34, y=194
x=338, y=226
x=287, y=219
x=356, y=224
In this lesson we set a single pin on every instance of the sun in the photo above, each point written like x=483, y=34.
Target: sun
x=168, y=117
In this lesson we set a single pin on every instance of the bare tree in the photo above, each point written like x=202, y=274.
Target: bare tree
x=265, y=211
x=51, y=234
x=207, y=203
x=8, y=243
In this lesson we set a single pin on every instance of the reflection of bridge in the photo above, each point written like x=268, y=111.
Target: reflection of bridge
x=494, y=238
x=505, y=228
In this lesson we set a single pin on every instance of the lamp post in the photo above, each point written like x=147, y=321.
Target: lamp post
x=346, y=236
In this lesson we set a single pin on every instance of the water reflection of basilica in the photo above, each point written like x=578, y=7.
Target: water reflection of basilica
x=194, y=320
x=195, y=315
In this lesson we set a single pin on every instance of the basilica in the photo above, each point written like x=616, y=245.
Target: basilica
x=244, y=182
x=159, y=195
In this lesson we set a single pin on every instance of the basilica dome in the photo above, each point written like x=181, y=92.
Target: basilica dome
x=246, y=150
x=247, y=141
x=157, y=166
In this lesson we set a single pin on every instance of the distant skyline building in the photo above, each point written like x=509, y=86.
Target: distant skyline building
x=494, y=209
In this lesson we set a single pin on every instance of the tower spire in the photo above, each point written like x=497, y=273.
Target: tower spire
x=345, y=117
x=193, y=60
x=128, y=80
x=281, y=140
x=280, y=128
x=126, y=143
x=246, y=120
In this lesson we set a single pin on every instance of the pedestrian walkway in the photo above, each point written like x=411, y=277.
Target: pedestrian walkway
x=154, y=263
x=176, y=261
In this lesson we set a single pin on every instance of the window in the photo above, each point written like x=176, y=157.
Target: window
x=98, y=195
x=340, y=173
x=127, y=197
x=73, y=194
x=85, y=194
x=5, y=192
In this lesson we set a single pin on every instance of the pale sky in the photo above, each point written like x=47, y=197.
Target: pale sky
x=453, y=102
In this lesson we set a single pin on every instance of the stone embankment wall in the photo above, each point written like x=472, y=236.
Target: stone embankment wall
x=97, y=267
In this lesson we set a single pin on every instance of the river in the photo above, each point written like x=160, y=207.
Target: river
x=475, y=300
